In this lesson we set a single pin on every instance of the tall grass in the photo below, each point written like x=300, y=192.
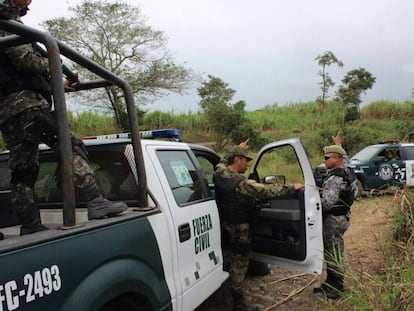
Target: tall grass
x=393, y=287
x=314, y=126
x=89, y=123
x=385, y=110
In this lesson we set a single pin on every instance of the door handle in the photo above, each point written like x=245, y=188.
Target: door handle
x=184, y=232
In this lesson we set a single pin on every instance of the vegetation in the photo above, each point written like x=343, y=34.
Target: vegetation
x=378, y=121
x=227, y=121
x=325, y=60
x=97, y=30
x=392, y=288
x=354, y=84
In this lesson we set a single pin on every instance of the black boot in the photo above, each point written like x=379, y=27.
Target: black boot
x=333, y=287
x=98, y=207
x=240, y=304
x=29, y=218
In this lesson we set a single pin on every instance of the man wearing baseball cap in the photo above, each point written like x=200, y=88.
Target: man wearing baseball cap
x=235, y=197
x=337, y=196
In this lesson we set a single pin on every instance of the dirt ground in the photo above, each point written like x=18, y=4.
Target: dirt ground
x=287, y=290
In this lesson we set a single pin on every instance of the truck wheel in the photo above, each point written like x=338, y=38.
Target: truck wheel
x=360, y=188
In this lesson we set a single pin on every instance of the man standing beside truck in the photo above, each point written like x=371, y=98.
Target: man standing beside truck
x=26, y=120
x=235, y=196
x=337, y=196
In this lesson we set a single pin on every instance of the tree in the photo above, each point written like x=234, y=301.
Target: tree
x=223, y=117
x=354, y=84
x=325, y=60
x=116, y=36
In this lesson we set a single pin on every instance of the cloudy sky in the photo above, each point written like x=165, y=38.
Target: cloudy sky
x=266, y=49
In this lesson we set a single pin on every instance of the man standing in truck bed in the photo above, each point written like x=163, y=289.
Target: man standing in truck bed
x=26, y=120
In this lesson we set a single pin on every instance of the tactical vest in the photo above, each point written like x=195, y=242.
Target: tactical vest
x=12, y=80
x=346, y=196
x=231, y=208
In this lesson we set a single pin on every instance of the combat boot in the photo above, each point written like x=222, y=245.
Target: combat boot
x=240, y=304
x=29, y=218
x=98, y=207
x=333, y=288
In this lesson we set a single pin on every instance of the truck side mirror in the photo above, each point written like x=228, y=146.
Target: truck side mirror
x=274, y=179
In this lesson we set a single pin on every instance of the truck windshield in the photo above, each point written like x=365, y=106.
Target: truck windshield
x=367, y=153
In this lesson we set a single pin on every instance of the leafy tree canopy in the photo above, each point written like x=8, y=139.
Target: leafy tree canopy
x=115, y=35
x=223, y=117
x=354, y=84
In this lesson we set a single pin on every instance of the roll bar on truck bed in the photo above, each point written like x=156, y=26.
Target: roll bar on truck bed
x=21, y=34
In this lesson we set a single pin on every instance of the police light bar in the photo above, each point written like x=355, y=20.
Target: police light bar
x=165, y=133
x=153, y=134
x=389, y=141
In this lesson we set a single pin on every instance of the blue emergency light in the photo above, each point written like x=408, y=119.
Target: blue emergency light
x=173, y=134
x=164, y=133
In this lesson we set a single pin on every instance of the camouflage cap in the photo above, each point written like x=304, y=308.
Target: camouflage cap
x=334, y=149
x=240, y=152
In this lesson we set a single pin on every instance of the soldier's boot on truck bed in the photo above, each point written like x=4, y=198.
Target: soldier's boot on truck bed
x=240, y=304
x=99, y=207
x=29, y=218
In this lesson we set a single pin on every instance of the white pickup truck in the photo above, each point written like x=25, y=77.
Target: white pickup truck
x=164, y=252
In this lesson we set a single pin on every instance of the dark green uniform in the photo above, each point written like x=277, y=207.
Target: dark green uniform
x=235, y=196
x=26, y=120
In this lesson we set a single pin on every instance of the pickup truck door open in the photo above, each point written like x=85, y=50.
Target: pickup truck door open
x=288, y=230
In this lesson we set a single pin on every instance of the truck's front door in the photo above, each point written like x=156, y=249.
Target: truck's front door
x=195, y=221
x=288, y=230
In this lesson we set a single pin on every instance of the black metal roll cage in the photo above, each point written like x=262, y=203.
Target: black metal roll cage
x=21, y=34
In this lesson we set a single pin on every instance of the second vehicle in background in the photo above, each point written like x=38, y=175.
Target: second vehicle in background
x=384, y=164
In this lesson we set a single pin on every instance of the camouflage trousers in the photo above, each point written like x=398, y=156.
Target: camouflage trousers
x=334, y=228
x=22, y=134
x=236, y=252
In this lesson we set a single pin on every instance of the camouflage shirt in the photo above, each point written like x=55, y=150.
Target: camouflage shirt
x=25, y=59
x=331, y=190
x=251, y=189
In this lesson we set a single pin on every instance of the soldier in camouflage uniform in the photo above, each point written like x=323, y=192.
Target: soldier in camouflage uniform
x=26, y=120
x=235, y=196
x=337, y=196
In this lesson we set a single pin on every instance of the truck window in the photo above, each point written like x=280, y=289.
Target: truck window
x=390, y=154
x=112, y=171
x=182, y=176
x=281, y=161
x=409, y=151
x=207, y=167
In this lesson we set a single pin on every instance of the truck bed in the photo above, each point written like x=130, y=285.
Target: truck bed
x=13, y=240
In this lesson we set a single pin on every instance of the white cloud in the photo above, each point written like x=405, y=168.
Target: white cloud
x=265, y=50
